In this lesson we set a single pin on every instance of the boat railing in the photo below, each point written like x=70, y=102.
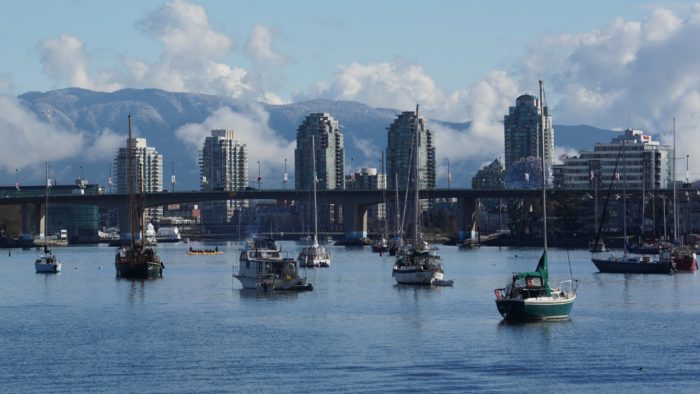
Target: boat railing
x=569, y=287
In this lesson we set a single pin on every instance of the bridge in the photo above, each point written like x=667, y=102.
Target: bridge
x=354, y=202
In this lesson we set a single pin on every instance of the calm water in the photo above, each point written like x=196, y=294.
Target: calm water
x=194, y=330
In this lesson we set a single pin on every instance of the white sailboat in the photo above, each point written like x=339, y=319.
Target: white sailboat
x=314, y=255
x=417, y=264
x=528, y=295
x=47, y=262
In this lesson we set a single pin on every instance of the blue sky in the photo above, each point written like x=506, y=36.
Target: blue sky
x=604, y=63
x=456, y=42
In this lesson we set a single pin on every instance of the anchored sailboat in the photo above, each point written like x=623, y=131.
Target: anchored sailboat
x=136, y=260
x=47, y=262
x=314, y=255
x=417, y=264
x=528, y=296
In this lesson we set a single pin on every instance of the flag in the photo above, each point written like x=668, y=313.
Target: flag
x=109, y=182
x=527, y=177
x=48, y=183
x=17, y=185
x=592, y=175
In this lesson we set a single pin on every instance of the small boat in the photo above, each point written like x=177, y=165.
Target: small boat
x=261, y=266
x=193, y=252
x=47, y=262
x=380, y=245
x=684, y=259
x=633, y=264
x=314, y=255
x=597, y=248
x=645, y=248
x=136, y=260
x=528, y=295
x=168, y=234
x=417, y=264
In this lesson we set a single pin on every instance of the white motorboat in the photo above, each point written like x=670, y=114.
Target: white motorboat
x=261, y=266
x=47, y=263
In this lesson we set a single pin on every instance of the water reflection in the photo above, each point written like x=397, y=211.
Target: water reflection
x=270, y=295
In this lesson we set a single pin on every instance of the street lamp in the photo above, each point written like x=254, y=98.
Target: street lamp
x=259, y=177
x=285, y=177
x=449, y=175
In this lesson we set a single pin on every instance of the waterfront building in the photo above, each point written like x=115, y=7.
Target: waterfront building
x=148, y=172
x=223, y=165
x=642, y=162
x=399, y=150
x=522, y=133
x=369, y=179
x=329, y=151
x=489, y=177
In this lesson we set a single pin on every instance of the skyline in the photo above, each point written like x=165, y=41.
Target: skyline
x=605, y=65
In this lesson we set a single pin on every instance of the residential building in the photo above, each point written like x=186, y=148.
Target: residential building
x=148, y=173
x=329, y=153
x=399, y=157
x=639, y=161
x=223, y=165
x=369, y=179
x=321, y=131
x=522, y=130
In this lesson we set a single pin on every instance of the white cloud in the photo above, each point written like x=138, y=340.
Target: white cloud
x=33, y=141
x=63, y=59
x=395, y=84
x=193, y=58
x=104, y=144
x=645, y=71
x=260, y=45
x=251, y=128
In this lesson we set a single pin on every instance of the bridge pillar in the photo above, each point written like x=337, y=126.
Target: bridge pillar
x=25, y=217
x=354, y=220
x=465, y=211
x=40, y=220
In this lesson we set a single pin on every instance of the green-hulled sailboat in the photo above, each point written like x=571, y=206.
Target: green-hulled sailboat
x=528, y=296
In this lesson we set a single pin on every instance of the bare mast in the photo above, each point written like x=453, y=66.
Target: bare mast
x=132, y=198
x=544, y=182
x=416, y=204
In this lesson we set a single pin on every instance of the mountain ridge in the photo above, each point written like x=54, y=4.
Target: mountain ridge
x=160, y=113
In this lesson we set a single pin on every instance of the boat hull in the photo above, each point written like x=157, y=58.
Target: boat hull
x=417, y=277
x=629, y=267
x=47, y=268
x=256, y=283
x=142, y=270
x=535, y=309
x=686, y=263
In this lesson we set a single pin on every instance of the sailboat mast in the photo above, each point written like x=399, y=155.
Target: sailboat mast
x=624, y=193
x=386, y=222
x=399, y=227
x=313, y=166
x=675, y=214
x=544, y=181
x=130, y=159
x=46, y=209
x=416, y=204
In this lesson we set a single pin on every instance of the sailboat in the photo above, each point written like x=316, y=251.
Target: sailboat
x=47, y=262
x=314, y=255
x=136, y=260
x=417, y=264
x=529, y=296
x=630, y=263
